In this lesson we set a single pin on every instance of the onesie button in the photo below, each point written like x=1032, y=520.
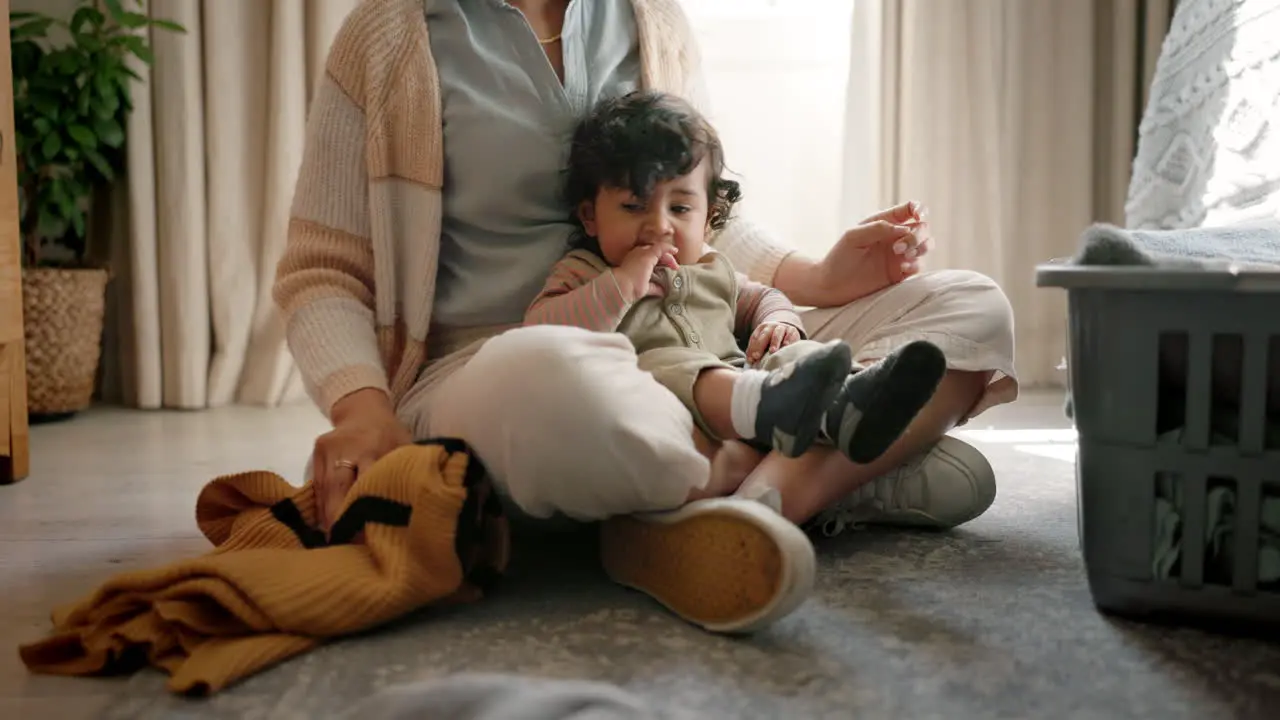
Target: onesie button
x=676, y=309
x=693, y=337
x=678, y=282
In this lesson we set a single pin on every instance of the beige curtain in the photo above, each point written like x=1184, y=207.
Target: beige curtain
x=214, y=147
x=1013, y=121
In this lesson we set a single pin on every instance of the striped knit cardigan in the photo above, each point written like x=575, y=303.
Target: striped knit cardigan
x=356, y=281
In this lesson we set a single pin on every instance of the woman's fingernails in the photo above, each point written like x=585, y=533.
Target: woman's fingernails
x=907, y=267
x=911, y=253
x=899, y=247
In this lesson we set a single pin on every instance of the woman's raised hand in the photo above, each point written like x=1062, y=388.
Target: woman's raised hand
x=884, y=250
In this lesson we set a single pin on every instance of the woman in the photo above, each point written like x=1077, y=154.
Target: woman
x=428, y=214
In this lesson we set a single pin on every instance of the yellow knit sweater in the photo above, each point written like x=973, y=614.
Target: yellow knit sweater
x=357, y=278
x=422, y=527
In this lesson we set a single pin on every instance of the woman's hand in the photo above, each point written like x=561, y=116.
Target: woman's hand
x=884, y=250
x=770, y=337
x=364, y=429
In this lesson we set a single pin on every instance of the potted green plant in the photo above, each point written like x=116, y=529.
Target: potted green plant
x=71, y=100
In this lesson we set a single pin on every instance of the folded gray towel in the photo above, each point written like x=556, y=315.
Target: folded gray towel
x=1104, y=244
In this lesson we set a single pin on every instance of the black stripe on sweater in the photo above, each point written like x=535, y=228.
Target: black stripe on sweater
x=287, y=514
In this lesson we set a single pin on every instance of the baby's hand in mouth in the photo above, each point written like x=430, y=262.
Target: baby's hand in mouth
x=668, y=260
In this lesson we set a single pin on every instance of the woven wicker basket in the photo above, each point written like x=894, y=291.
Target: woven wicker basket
x=62, y=318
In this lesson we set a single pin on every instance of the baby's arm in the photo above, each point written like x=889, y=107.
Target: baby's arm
x=579, y=293
x=759, y=304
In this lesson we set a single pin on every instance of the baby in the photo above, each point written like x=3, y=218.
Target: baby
x=645, y=180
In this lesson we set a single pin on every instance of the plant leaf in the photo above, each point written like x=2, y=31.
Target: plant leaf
x=115, y=8
x=102, y=112
x=104, y=83
x=65, y=202
x=169, y=25
x=77, y=222
x=82, y=135
x=138, y=47
x=110, y=106
x=52, y=144
x=82, y=101
x=50, y=225
x=86, y=14
x=45, y=105
x=68, y=62
x=132, y=20
x=26, y=58
x=100, y=163
x=31, y=29
x=109, y=132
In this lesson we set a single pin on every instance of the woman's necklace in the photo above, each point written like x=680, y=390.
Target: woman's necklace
x=554, y=38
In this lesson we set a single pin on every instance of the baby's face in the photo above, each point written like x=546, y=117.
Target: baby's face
x=675, y=214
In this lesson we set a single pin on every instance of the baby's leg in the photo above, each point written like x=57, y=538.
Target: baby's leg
x=783, y=407
x=873, y=408
x=731, y=463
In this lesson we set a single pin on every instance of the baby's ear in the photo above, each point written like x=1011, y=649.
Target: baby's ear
x=587, y=215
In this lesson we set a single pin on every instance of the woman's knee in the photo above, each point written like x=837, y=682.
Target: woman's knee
x=554, y=371
x=965, y=313
x=979, y=305
x=551, y=352
x=567, y=422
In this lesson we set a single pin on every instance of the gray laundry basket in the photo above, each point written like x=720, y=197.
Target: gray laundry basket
x=1156, y=356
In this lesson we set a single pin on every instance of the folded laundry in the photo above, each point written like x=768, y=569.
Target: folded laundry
x=1221, y=512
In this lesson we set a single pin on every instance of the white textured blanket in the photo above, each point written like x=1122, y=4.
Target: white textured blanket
x=1209, y=142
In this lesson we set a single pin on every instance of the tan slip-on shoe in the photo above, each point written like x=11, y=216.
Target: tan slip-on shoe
x=729, y=565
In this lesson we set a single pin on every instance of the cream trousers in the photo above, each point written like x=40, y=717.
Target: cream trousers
x=567, y=423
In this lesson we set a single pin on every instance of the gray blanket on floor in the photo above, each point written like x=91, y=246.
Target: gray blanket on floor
x=492, y=696
x=1246, y=246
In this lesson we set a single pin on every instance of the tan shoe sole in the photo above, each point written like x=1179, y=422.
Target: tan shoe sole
x=727, y=564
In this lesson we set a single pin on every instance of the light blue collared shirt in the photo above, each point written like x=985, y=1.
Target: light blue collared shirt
x=508, y=122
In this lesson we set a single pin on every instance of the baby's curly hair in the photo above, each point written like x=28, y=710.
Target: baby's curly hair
x=639, y=140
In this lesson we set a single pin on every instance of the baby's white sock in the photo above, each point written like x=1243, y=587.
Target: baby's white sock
x=744, y=403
